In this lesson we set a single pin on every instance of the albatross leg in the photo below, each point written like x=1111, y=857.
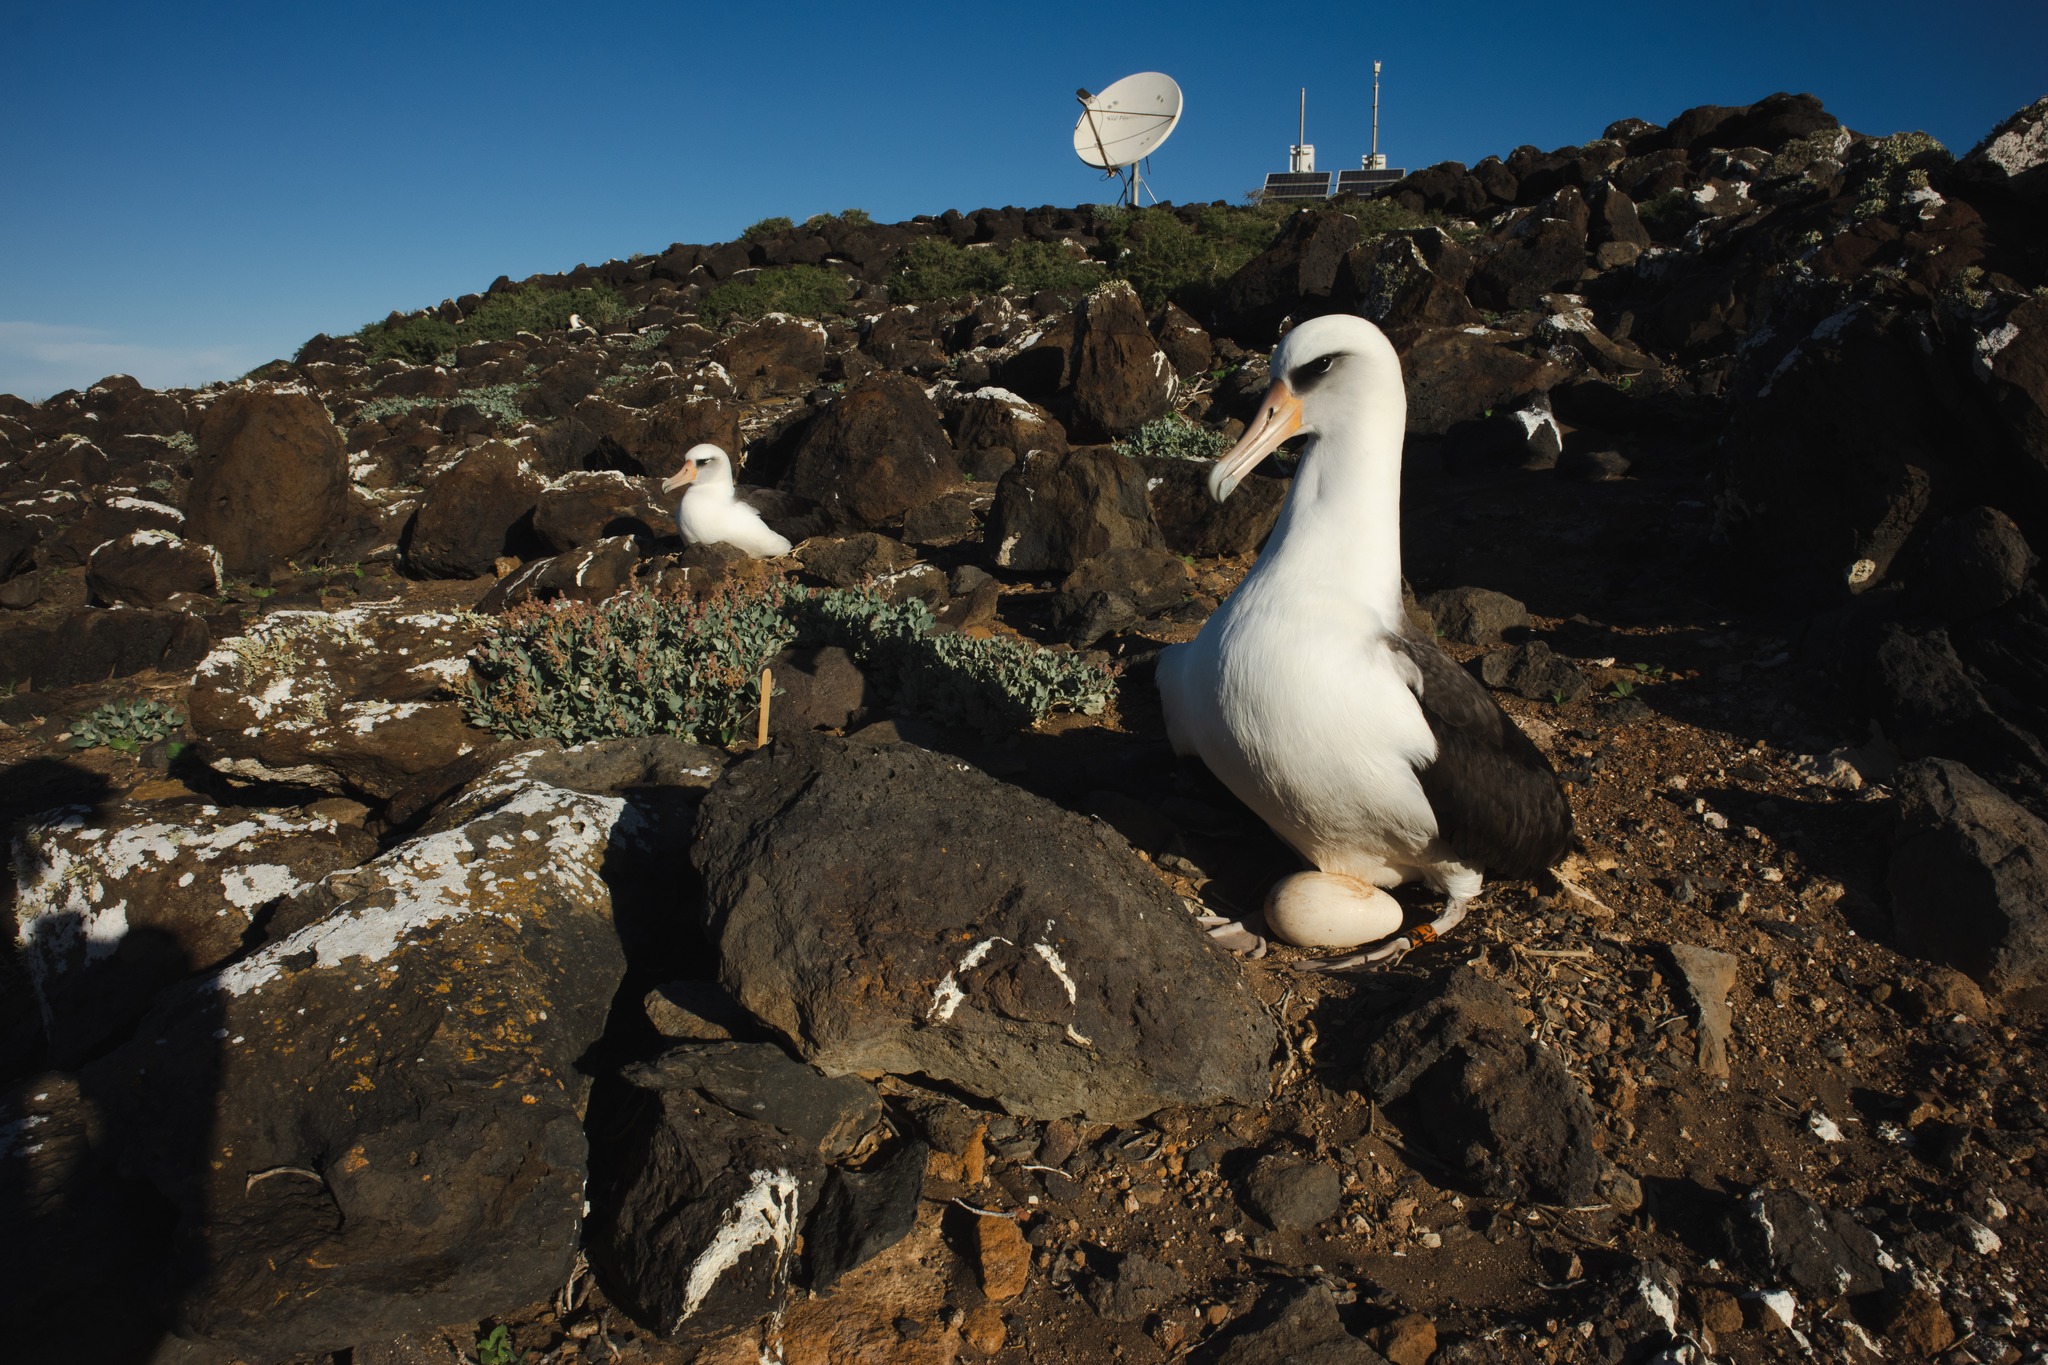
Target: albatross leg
x=1394, y=949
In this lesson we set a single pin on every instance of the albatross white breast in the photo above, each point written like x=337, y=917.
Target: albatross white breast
x=712, y=508
x=1367, y=749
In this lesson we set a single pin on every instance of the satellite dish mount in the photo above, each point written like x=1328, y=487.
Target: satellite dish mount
x=1120, y=128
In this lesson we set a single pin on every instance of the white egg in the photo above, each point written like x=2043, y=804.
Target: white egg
x=1329, y=910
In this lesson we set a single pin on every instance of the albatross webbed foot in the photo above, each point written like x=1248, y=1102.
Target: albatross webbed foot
x=1232, y=935
x=1394, y=949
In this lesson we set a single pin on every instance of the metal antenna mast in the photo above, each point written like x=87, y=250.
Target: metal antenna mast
x=1376, y=115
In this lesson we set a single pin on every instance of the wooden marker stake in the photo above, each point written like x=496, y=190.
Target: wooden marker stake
x=767, y=694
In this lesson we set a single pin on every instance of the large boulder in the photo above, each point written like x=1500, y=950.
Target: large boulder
x=1193, y=523
x=478, y=510
x=1454, y=375
x=2012, y=159
x=360, y=701
x=590, y=505
x=91, y=645
x=1836, y=459
x=1122, y=379
x=775, y=355
x=891, y=910
x=991, y=418
x=372, y=1125
x=270, y=479
x=111, y=910
x=1408, y=278
x=1295, y=276
x=1969, y=877
x=1054, y=511
x=1500, y=1108
x=875, y=454
x=148, y=568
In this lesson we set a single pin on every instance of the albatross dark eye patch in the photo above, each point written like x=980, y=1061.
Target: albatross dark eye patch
x=1309, y=374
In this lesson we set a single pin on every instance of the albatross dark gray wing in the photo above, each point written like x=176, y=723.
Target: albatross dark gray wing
x=786, y=514
x=1497, y=802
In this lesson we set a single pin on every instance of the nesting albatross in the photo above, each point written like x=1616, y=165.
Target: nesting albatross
x=1367, y=749
x=713, y=509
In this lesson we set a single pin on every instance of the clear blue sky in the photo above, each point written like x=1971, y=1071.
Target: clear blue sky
x=187, y=191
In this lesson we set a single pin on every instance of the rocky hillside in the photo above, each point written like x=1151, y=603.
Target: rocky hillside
x=413, y=952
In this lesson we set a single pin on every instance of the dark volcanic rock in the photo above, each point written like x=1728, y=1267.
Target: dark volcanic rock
x=819, y=688
x=1975, y=562
x=1122, y=379
x=991, y=418
x=891, y=910
x=1822, y=1251
x=2013, y=157
x=1054, y=511
x=1542, y=256
x=270, y=479
x=105, y=519
x=875, y=454
x=1193, y=523
x=432, y=1138
x=1531, y=670
x=1290, y=1194
x=147, y=568
x=829, y=1114
x=1453, y=376
x=775, y=355
x=92, y=645
x=1187, y=346
x=589, y=574
x=1139, y=1285
x=1932, y=703
x=1502, y=1109
x=586, y=506
x=1474, y=616
x=693, y=1229
x=1413, y=278
x=1299, y=1323
x=1969, y=877
x=1295, y=276
x=113, y=909
x=1114, y=591
x=475, y=512
x=860, y=1214
x=312, y=698
x=1834, y=462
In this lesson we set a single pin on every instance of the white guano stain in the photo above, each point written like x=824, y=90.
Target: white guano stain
x=948, y=996
x=764, y=1214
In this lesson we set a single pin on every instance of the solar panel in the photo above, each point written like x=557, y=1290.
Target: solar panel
x=1367, y=183
x=1297, y=185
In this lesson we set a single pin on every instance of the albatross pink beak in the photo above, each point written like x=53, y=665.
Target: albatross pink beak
x=682, y=477
x=1279, y=418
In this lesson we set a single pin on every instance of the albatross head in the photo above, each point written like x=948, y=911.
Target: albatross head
x=705, y=465
x=1333, y=377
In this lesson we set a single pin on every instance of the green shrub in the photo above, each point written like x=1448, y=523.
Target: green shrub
x=766, y=228
x=500, y=401
x=424, y=338
x=805, y=291
x=933, y=268
x=640, y=663
x=125, y=725
x=845, y=217
x=1165, y=258
x=1176, y=438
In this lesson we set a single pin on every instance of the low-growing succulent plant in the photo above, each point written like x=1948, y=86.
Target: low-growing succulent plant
x=125, y=725
x=641, y=663
x=1176, y=438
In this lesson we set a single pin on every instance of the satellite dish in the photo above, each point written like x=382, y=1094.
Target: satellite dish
x=1125, y=124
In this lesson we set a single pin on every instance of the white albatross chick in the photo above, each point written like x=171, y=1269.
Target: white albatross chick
x=711, y=509
x=1369, y=750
